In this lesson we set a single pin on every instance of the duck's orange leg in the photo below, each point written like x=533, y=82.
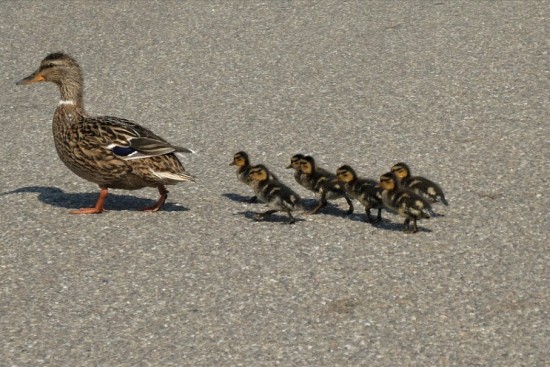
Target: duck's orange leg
x=98, y=208
x=160, y=202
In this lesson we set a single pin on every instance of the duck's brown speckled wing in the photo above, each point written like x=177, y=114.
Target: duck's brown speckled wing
x=126, y=139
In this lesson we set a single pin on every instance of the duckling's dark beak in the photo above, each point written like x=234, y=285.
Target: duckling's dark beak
x=232, y=163
x=289, y=166
x=35, y=77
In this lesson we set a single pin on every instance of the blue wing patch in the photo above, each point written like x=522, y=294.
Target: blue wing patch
x=123, y=151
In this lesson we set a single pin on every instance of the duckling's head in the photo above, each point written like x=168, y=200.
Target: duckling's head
x=295, y=161
x=345, y=174
x=401, y=170
x=58, y=68
x=259, y=172
x=240, y=159
x=307, y=165
x=388, y=181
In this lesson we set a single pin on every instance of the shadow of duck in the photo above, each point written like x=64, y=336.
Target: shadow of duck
x=56, y=197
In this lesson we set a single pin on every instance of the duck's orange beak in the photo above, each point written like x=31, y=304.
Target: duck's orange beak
x=35, y=77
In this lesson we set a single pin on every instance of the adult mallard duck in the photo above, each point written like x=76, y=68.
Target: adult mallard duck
x=110, y=151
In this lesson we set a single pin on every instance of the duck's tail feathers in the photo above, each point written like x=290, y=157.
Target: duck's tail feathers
x=175, y=177
x=184, y=150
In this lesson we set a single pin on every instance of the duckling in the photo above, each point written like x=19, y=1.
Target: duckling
x=278, y=196
x=241, y=160
x=405, y=202
x=324, y=183
x=363, y=189
x=298, y=176
x=109, y=151
x=421, y=185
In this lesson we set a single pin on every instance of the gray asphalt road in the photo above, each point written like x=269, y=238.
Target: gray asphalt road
x=459, y=90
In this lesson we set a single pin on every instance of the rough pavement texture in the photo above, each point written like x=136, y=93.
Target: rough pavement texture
x=459, y=90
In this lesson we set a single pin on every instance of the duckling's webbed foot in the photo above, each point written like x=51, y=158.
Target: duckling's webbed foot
x=378, y=216
x=160, y=202
x=369, y=217
x=407, y=228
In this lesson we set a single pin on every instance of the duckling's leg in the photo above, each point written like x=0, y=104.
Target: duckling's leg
x=98, y=208
x=350, y=203
x=321, y=205
x=415, y=228
x=291, y=218
x=406, y=225
x=378, y=216
x=369, y=217
x=160, y=202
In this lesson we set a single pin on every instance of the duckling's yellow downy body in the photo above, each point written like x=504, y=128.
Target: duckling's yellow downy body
x=323, y=183
x=109, y=151
x=274, y=193
x=404, y=202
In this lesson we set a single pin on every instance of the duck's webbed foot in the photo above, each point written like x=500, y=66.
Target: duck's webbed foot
x=160, y=202
x=98, y=208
